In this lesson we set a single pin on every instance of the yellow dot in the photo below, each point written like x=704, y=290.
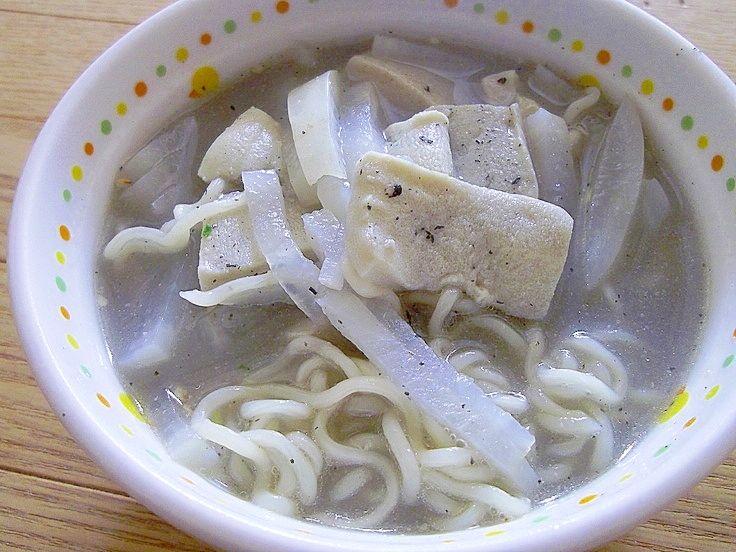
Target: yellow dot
x=587, y=499
x=60, y=258
x=127, y=430
x=121, y=109
x=502, y=17
x=132, y=406
x=72, y=341
x=678, y=403
x=77, y=173
x=588, y=80
x=494, y=533
x=625, y=477
x=256, y=16
x=577, y=45
x=702, y=142
x=647, y=87
x=713, y=392
x=182, y=54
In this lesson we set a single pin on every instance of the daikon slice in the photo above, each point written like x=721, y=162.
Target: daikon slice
x=297, y=275
x=328, y=235
x=610, y=194
x=549, y=145
x=315, y=126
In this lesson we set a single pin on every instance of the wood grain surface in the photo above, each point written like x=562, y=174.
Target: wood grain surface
x=52, y=497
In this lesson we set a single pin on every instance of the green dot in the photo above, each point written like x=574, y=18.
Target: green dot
x=161, y=71
x=61, y=284
x=106, y=127
x=85, y=371
x=627, y=71
x=554, y=35
x=729, y=358
x=153, y=455
x=730, y=186
x=540, y=519
x=479, y=7
x=230, y=26
x=67, y=195
x=661, y=451
x=687, y=123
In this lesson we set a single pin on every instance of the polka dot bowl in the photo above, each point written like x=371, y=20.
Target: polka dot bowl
x=169, y=65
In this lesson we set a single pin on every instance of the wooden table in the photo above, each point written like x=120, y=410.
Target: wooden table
x=52, y=497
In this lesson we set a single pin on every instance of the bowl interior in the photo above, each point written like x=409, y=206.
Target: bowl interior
x=146, y=81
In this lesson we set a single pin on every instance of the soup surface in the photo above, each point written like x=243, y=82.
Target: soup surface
x=315, y=420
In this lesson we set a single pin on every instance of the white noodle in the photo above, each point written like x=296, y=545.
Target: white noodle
x=405, y=457
x=493, y=497
x=445, y=457
x=442, y=309
x=173, y=236
x=275, y=407
x=261, y=289
x=350, y=484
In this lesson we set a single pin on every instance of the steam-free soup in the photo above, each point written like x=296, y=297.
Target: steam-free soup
x=446, y=288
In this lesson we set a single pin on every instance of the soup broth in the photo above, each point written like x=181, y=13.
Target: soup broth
x=631, y=333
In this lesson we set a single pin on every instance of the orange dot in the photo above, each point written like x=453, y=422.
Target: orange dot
x=64, y=232
x=690, y=422
x=716, y=163
x=603, y=57
x=103, y=400
x=205, y=39
x=65, y=312
x=451, y=3
x=141, y=88
x=527, y=26
x=89, y=148
x=668, y=104
x=282, y=6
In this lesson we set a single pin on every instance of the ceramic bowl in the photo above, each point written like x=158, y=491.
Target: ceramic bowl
x=146, y=80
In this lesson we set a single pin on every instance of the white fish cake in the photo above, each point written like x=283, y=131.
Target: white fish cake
x=228, y=249
x=252, y=142
x=409, y=228
x=489, y=148
x=423, y=139
x=406, y=86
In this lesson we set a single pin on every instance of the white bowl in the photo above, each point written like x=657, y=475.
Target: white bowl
x=144, y=81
